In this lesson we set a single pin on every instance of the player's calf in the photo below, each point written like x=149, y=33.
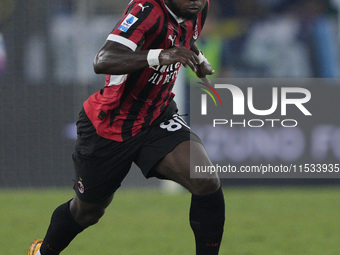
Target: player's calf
x=61, y=231
x=67, y=221
x=207, y=216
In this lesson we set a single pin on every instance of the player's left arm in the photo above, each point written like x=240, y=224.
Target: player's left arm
x=204, y=67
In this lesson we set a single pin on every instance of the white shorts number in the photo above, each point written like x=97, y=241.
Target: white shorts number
x=174, y=124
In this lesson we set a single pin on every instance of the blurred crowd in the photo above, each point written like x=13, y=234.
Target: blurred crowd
x=242, y=38
x=274, y=38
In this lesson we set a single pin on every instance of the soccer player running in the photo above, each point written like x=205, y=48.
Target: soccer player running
x=134, y=119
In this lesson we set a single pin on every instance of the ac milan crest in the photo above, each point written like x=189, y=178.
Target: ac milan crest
x=80, y=186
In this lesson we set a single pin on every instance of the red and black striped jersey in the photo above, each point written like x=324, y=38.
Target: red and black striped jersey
x=130, y=102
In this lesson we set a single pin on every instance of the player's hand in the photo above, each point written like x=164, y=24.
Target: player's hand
x=204, y=69
x=179, y=54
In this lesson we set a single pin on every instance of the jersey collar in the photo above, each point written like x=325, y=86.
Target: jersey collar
x=178, y=19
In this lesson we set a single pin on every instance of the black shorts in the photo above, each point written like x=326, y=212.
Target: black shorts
x=102, y=164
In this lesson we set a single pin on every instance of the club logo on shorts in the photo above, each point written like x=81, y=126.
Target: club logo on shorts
x=80, y=186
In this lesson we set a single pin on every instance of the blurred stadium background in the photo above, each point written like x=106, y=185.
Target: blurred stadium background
x=46, y=54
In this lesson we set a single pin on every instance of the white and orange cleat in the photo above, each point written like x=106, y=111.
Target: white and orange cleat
x=34, y=247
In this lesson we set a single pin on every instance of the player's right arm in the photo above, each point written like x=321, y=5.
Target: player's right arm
x=116, y=59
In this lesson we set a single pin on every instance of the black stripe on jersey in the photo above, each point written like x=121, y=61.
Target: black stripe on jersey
x=142, y=15
x=155, y=44
x=151, y=31
x=128, y=10
x=204, y=14
x=169, y=90
x=171, y=17
x=159, y=40
x=163, y=107
x=192, y=40
x=182, y=40
x=149, y=117
x=167, y=96
x=134, y=111
x=132, y=81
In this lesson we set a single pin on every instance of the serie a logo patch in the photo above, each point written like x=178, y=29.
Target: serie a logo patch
x=127, y=23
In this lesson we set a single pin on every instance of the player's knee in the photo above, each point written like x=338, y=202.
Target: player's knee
x=87, y=218
x=205, y=186
x=92, y=217
x=86, y=214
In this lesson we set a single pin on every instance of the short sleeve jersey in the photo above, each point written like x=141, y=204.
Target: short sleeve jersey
x=131, y=102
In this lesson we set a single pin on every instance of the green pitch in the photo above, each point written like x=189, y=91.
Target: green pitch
x=266, y=221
